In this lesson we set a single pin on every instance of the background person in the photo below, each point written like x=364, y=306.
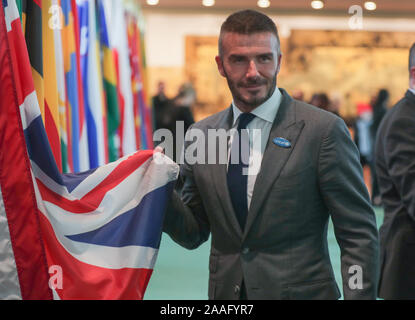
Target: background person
x=395, y=168
x=161, y=105
x=380, y=107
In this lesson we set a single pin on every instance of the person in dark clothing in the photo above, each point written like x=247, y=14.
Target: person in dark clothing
x=182, y=115
x=320, y=100
x=161, y=106
x=379, y=107
x=176, y=116
x=178, y=119
x=183, y=104
x=395, y=169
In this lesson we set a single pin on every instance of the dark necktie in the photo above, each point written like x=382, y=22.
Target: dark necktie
x=237, y=180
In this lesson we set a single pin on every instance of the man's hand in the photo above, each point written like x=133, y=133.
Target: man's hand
x=159, y=149
x=159, y=156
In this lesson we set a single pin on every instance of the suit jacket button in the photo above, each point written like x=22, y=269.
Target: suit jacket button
x=237, y=289
x=245, y=251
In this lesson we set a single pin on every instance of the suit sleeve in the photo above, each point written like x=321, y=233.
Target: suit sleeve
x=400, y=160
x=347, y=199
x=186, y=220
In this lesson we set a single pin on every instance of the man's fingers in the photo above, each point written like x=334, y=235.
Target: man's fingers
x=159, y=149
x=157, y=156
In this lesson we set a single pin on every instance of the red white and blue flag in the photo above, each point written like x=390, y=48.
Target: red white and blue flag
x=100, y=229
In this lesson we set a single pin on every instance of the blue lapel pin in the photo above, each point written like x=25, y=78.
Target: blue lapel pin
x=283, y=143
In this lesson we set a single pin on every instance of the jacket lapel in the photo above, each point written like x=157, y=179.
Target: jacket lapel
x=275, y=157
x=219, y=176
x=410, y=96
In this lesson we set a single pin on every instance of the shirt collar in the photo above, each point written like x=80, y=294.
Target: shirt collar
x=412, y=90
x=266, y=111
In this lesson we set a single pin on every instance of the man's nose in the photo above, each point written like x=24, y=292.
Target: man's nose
x=252, y=71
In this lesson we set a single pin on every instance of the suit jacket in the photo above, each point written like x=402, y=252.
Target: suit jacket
x=282, y=253
x=395, y=169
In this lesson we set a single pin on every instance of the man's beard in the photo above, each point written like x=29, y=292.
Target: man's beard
x=254, y=101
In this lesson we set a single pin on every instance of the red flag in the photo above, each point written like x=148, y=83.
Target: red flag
x=20, y=207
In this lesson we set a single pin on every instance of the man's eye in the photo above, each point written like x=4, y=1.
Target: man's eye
x=238, y=59
x=264, y=59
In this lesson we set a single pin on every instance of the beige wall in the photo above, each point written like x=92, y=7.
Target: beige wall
x=319, y=64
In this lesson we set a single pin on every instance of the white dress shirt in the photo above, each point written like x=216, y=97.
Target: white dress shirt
x=412, y=90
x=264, y=118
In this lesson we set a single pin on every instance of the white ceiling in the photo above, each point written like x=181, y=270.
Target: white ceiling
x=384, y=7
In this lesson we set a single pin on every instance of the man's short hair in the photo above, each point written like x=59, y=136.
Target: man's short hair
x=412, y=57
x=248, y=22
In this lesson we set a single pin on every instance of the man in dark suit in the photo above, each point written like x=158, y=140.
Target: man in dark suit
x=395, y=169
x=269, y=226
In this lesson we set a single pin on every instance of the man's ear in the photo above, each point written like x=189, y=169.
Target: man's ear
x=219, y=63
x=412, y=77
x=279, y=63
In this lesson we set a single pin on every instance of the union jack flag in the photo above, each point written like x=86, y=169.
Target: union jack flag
x=102, y=228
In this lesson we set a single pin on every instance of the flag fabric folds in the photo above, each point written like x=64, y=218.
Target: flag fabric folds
x=67, y=164
x=101, y=228
x=83, y=136
x=51, y=95
x=110, y=84
x=101, y=111
x=23, y=266
x=120, y=41
x=145, y=112
x=32, y=26
x=96, y=107
x=74, y=103
x=135, y=78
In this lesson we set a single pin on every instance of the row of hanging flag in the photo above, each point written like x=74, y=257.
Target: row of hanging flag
x=89, y=235
x=88, y=66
